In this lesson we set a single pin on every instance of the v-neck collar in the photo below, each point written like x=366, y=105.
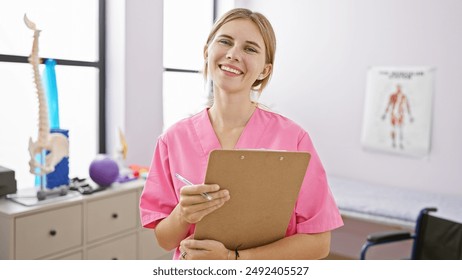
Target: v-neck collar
x=249, y=138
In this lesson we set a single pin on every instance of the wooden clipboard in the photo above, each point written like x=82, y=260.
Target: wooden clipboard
x=263, y=186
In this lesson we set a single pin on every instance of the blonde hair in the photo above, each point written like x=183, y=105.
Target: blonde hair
x=266, y=30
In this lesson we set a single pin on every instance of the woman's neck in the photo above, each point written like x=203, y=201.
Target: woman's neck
x=234, y=112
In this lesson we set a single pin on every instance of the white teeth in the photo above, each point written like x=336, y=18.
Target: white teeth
x=230, y=70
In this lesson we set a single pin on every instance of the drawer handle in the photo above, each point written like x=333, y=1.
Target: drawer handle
x=53, y=232
x=114, y=215
x=114, y=259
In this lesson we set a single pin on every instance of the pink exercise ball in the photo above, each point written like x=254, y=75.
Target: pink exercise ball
x=104, y=171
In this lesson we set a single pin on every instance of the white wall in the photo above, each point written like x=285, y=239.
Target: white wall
x=115, y=73
x=134, y=84
x=144, y=68
x=324, y=50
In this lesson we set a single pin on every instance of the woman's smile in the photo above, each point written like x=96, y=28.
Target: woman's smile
x=230, y=70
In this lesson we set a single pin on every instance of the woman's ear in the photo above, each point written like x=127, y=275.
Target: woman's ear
x=266, y=71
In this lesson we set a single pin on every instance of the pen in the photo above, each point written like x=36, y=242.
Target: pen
x=187, y=182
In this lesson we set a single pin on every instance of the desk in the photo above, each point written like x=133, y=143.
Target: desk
x=103, y=225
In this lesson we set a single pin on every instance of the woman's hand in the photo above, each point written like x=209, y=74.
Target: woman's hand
x=194, y=207
x=192, y=249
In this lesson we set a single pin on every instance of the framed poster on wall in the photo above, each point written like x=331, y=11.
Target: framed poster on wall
x=398, y=110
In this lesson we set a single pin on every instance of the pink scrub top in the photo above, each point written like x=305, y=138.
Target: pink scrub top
x=184, y=149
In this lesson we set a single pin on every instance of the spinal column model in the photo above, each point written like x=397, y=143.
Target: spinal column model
x=56, y=143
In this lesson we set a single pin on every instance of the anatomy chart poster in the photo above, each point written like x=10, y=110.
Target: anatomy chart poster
x=398, y=110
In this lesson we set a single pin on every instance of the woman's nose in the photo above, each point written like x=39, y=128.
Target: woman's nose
x=233, y=54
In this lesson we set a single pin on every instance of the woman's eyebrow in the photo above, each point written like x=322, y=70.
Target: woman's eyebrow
x=226, y=36
x=253, y=43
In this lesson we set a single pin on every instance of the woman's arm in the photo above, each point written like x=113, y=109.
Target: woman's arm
x=190, y=210
x=171, y=230
x=296, y=247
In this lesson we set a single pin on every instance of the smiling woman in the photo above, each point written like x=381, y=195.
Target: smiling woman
x=261, y=43
x=239, y=59
x=237, y=54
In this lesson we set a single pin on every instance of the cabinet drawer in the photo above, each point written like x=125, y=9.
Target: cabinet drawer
x=48, y=232
x=120, y=249
x=111, y=215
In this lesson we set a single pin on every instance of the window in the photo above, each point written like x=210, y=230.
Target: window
x=186, y=27
x=72, y=34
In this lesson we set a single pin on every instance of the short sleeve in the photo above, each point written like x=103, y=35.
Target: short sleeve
x=158, y=198
x=316, y=210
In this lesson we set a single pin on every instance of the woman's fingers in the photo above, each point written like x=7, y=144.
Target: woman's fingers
x=197, y=197
x=200, y=213
x=194, y=206
x=195, y=212
x=198, y=202
x=203, y=249
x=198, y=189
x=194, y=194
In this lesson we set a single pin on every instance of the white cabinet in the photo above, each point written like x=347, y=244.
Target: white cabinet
x=103, y=225
x=48, y=232
x=111, y=215
x=123, y=248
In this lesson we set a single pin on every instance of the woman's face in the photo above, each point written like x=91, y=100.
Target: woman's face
x=236, y=57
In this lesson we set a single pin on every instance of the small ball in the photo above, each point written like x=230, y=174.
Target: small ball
x=104, y=171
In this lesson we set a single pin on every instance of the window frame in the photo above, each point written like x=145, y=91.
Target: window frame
x=186, y=70
x=100, y=64
x=192, y=71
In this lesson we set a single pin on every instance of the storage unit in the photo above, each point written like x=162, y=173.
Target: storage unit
x=103, y=225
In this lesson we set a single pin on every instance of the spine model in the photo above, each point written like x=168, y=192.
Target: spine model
x=55, y=143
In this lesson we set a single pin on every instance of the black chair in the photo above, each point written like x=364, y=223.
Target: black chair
x=434, y=238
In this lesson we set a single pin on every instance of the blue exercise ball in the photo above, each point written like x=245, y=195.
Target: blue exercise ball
x=104, y=171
